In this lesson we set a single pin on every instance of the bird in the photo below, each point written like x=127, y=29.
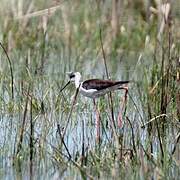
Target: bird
x=95, y=88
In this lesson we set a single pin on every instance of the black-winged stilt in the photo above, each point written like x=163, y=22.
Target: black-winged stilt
x=94, y=88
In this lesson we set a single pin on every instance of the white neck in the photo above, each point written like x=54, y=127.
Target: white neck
x=77, y=79
x=77, y=82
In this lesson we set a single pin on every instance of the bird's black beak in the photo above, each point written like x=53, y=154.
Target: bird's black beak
x=65, y=86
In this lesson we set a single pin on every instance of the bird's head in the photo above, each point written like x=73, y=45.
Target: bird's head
x=74, y=77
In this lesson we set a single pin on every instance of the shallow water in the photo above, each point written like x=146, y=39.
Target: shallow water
x=50, y=159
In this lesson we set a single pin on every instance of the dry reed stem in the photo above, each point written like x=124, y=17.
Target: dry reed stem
x=153, y=119
x=11, y=69
x=48, y=11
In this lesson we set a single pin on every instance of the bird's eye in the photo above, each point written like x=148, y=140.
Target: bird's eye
x=72, y=76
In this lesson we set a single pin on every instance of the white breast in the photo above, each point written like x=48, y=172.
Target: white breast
x=91, y=93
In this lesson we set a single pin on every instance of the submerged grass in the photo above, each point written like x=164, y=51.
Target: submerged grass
x=43, y=44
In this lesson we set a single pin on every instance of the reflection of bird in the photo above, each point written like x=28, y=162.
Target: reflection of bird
x=94, y=88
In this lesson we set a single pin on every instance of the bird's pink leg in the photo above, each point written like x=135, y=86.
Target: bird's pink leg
x=120, y=123
x=97, y=122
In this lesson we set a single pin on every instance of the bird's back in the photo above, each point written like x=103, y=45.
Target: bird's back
x=99, y=84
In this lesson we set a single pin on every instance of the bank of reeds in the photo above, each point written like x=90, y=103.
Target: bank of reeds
x=118, y=40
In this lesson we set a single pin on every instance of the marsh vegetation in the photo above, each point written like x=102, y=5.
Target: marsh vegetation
x=121, y=40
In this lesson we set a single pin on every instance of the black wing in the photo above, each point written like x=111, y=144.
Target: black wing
x=101, y=84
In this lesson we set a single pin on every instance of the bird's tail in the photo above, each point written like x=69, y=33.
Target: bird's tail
x=123, y=82
x=119, y=85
